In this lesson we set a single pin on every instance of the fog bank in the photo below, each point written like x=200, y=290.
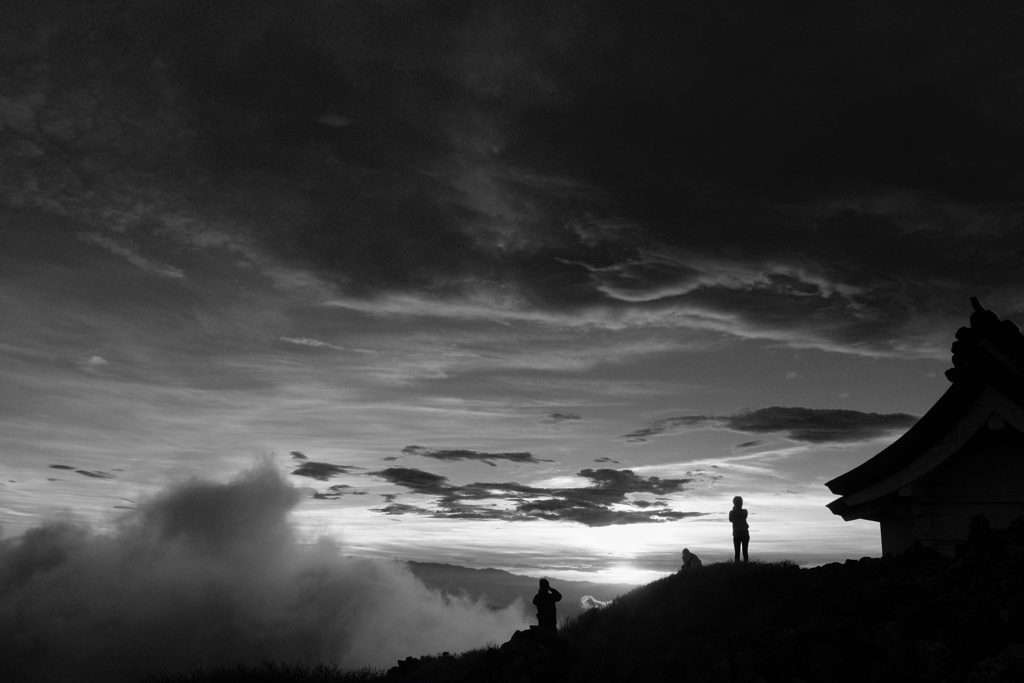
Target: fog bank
x=212, y=573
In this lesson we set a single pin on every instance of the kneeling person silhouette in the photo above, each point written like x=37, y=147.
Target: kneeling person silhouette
x=545, y=600
x=690, y=560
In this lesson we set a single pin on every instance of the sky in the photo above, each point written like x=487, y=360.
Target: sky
x=537, y=286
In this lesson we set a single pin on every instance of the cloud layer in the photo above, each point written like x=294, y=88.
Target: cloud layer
x=820, y=177
x=213, y=574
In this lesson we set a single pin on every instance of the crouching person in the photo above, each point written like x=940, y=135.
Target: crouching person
x=690, y=560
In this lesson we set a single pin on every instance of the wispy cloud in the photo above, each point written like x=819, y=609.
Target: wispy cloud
x=314, y=343
x=130, y=254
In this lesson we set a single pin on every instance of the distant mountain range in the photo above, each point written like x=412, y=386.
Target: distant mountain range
x=498, y=588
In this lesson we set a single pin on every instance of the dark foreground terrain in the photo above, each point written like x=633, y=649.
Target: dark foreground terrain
x=917, y=617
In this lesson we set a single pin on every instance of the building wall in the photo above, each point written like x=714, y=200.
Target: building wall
x=985, y=477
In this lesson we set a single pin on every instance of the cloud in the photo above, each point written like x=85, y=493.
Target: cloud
x=590, y=602
x=599, y=504
x=401, y=509
x=451, y=455
x=415, y=479
x=314, y=343
x=595, y=515
x=487, y=168
x=559, y=417
x=130, y=254
x=78, y=604
x=811, y=425
x=85, y=473
x=338, y=491
x=321, y=471
x=606, y=459
x=822, y=425
x=96, y=475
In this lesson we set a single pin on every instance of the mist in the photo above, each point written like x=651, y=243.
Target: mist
x=209, y=573
x=590, y=602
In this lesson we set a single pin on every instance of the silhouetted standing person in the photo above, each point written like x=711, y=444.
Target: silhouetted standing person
x=740, y=528
x=545, y=600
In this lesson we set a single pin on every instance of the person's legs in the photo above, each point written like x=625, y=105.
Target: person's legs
x=746, y=542
x=736, y=542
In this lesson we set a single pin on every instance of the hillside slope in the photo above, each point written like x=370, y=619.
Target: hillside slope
x=917, y=617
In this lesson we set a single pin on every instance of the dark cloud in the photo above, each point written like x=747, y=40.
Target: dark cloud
x=811, y=425
x=606, y=459
x=450, y=455
x=594, y=505
x=594, y=515
x=401, y=509
x=85, y=473
x=824, y=175
x=297, y=455
x=321, y=471
x=821, y=425
x=558, y=417
x=96, y=475
x=338, y=491
x=416, y=480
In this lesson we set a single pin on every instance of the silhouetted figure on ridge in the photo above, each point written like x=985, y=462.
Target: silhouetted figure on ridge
x=740, y=528
x=545, y=600
x=690, y=560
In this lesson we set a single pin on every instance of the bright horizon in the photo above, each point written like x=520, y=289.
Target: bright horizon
x=537, y=290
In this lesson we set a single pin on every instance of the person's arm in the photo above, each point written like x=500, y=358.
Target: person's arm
x=556, y=595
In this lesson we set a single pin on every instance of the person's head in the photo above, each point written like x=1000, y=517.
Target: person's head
x=737, y=502
x=544, y=585
x=686, y=553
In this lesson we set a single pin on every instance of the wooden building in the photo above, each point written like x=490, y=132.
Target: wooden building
x=963, y=458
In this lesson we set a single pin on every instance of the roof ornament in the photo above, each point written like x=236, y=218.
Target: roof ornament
x=985, y=326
